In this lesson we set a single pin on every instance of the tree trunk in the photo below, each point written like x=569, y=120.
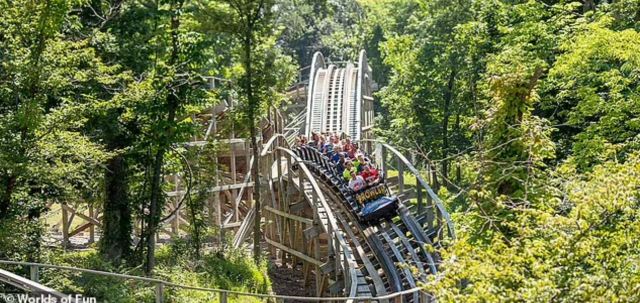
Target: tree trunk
x=34, y=234
x=588, y=5
x=253, y=107
x=115, y=243
x=155, y=208
x=445, y=126
x=154, y=213
x=5, y=196
x=459, y=136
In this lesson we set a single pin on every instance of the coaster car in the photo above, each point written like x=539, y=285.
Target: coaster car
x=379, y=208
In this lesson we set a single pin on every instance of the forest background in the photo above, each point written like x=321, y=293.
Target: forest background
x=529, y=110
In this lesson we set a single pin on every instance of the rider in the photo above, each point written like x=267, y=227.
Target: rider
x=340, y=165
x=349, y=169
x=359, y=162
x=347, y=146
x=336, y=156
x=357, y=182
x=353, y=152
x=370, y=175
x=315, y=140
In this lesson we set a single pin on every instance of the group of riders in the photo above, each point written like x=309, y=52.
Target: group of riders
x=355, y=167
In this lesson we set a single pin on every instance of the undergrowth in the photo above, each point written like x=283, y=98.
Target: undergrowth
x=231, y=270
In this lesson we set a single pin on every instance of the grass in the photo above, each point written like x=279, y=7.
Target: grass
x=409, y=183
x=54, y=215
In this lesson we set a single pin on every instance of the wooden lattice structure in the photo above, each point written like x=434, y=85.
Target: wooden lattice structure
x=80, y=224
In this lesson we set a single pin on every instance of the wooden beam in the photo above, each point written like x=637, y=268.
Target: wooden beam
x=221, y=141
x=295, y=252
x=214, y=189
x=82, y=228
x=407, y=195
x=81, y=215
x=336, y=287
x=65, y=226
x=92, y=230
x=328, y=267
x=287, y=215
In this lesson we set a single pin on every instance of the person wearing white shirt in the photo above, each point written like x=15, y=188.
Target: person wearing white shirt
x=357, y=182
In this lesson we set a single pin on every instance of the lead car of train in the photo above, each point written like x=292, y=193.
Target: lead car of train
x=369, y=204
x=376, y=203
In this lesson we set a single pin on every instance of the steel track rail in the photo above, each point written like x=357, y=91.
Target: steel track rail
x=359, y=292
x=393, y=236
x=422, y=238
x=405, y=272
x=375, y=243
x=372, y=267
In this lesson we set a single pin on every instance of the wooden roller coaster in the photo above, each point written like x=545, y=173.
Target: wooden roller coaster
x=308, y=221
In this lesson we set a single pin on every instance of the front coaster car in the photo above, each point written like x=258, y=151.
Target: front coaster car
x=382, y=207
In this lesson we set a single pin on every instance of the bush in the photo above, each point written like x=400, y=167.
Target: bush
x=105, y=289
x=231, y=271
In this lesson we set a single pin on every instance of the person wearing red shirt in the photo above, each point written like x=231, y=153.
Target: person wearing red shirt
x=371, y=175
x=347, y=146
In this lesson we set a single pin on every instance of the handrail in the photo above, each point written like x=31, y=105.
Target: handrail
x=27, y=285
x=222, y=291
x=423, y=182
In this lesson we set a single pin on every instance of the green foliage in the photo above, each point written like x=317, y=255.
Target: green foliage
x=96, y=93
x=542, y=95
x=576, y=251
x=108, y=289
x=330, y=26
x=597, y=81
x=432, y=84
x=48, y=88
x=231, y=271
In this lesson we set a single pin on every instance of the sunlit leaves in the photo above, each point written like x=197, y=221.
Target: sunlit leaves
x=598, y=82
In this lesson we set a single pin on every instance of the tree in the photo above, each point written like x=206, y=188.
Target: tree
x=254, y=23
x=596, y=94
x=173, y=91
x=576, y=249
x=101, y=21
x=329, y=26
x=48, y=89
x=430, y=71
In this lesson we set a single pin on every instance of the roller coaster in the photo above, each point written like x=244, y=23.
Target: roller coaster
x=361, y=259
x=311, y=219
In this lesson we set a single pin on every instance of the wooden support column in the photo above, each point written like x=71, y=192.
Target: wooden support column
x=316, y=245
x=400, y=177
x=419, y=196
x=249, y=190
x=306, y=268
x=441, y=226
x=383, y=156
x=65, y=227
x=293, y=243
x=232, y=167
x=430, y=207
x=175, y=223
x=214, y=206
x=92, y=214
